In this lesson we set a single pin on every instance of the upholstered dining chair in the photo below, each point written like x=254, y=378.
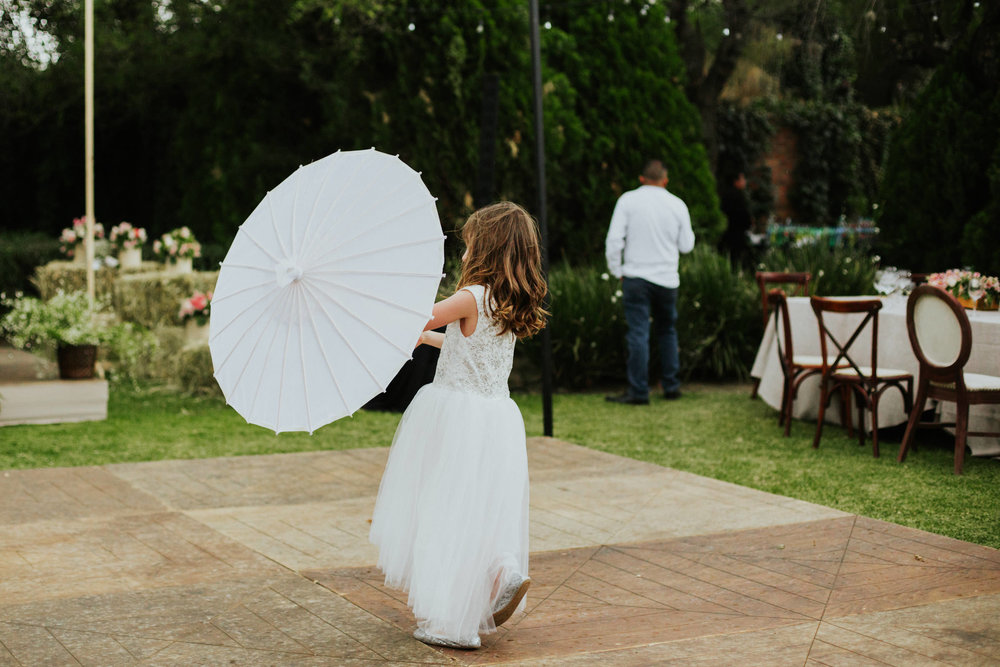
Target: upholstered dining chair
x=941, y=338
x=765, y=279
x=794, y=368
x=865, y=383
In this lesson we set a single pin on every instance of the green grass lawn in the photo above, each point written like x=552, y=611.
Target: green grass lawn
x=714, y=430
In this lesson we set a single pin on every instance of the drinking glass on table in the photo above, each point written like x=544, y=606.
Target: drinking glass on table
x=976, y=290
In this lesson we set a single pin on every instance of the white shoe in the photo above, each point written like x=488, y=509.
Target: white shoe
x=508, y=599
x=423, y=636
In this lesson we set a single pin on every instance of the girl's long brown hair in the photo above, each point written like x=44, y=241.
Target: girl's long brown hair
x=505, y=255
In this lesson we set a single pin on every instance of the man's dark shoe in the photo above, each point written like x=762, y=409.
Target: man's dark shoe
x=626, y=399
x=672, y=395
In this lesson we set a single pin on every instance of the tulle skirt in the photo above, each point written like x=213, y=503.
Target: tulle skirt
x=452, y=509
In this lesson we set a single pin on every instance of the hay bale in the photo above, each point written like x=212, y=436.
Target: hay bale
x=70, y=277
x=153, y=299
x=195, y=372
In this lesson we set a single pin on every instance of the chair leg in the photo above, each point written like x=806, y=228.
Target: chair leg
x=961, y=432
x=911, y=424
x=756, y=384
x=874, y=408
x=823, y=399
x=846, y=418
x=789, y=401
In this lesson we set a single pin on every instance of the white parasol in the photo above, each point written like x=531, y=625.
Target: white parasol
x=325, y=290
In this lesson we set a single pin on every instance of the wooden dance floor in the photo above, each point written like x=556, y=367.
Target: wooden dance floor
x=264, y=561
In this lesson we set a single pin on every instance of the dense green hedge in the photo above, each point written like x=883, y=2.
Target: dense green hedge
x=942, y=190
x=20, y=253
x=199, y=117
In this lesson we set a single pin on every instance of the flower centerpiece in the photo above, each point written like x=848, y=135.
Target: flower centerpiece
x=965, y=285
x=128, y=241
x=177, y=248
x=194, y=313
x=72, y=239
x=68, y=321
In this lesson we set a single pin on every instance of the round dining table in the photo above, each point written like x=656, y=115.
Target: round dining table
x=894, y=352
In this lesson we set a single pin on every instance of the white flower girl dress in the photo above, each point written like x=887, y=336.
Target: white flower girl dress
x=452, y=509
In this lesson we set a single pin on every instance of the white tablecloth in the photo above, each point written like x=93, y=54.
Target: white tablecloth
x=893, y=352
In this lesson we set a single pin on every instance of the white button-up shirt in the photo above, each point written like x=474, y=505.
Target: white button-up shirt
x=649, y=229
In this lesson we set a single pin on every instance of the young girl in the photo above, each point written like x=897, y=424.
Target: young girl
x=451, y=519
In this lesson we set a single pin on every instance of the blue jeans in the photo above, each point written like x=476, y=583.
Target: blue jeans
x=643, y=298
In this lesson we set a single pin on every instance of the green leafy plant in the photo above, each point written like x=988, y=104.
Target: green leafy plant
x=65, y=319
x=718, y=317
x=718, y=324
x=838, y=271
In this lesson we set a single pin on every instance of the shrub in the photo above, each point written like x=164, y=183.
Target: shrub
x=838, y=271
x=587, y=327
x=718, y=324
x=718, y=317
x=20, y=253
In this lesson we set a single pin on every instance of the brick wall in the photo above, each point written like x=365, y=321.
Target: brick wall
x=782, y=159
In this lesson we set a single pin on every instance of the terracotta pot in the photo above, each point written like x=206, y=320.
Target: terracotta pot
x=76, y=362
x=130, y=258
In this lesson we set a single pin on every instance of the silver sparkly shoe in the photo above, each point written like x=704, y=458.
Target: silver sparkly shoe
x=422, y=635
x=509, y=598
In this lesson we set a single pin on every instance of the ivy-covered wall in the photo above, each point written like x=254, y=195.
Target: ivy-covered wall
x=841, y=150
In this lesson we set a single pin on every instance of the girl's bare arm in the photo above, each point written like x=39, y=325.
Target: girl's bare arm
x=432, y=338
x=459, y=306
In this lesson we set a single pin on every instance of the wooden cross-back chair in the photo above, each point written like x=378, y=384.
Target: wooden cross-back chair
x=866, y=383
x=794, y=368
x=765, y=279
x=941, y=338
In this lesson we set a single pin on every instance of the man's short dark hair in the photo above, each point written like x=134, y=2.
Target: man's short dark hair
x=654, y=170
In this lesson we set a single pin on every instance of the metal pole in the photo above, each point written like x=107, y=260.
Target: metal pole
x=88, y=122
x=536, y=66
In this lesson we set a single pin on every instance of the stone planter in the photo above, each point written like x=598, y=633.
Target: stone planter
x=180, y=266
x=80, y=254
x=195, y=334
x=130, y=259
x=76, y=362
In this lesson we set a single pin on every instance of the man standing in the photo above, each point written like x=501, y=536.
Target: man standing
x=649, y=229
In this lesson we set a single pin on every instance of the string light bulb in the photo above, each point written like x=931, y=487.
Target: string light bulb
x=411, y=27
x=611, y=16
x=725, y=32
x=479, y=28
x=548, y=25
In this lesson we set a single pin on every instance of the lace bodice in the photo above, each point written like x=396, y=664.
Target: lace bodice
x=480, y=363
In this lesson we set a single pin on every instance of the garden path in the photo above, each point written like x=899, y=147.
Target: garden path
x=264, y=560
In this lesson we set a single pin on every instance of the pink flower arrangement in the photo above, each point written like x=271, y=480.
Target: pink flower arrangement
x=958, y=282
x=125, y=237
x=177, y=244
x=75, y=235
x=197, y=307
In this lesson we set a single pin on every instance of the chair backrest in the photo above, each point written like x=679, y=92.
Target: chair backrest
x=765, y=278
x=870, y=308
x=940, y=333
x=778, y=303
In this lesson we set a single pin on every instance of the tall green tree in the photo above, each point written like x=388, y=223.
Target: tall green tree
x=941, y=189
